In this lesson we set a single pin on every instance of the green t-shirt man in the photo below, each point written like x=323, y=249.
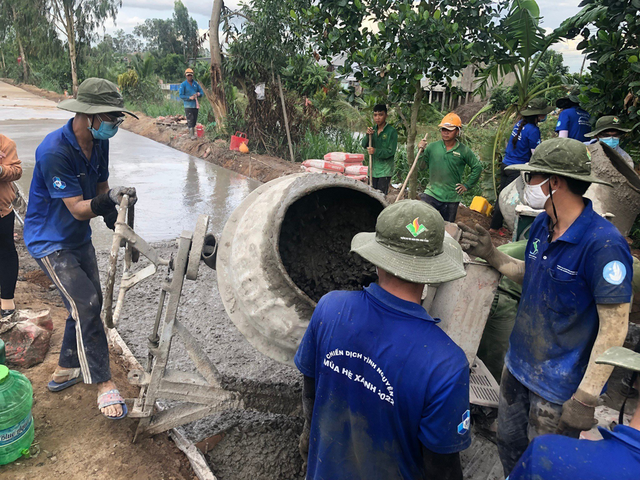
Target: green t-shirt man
x=384, y=141
x=446, y=160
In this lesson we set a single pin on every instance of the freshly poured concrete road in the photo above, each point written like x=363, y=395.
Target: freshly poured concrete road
x=173, y=187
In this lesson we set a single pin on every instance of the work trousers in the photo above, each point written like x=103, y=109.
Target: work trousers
x=505, y=179
x=382, y=184
x=192, y=116
x=8, y=258
x=448, y=210
x=84, y=345
x=523, y=416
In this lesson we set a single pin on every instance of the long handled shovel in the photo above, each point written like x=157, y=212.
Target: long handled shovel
x=413, y=167
x=370, y=163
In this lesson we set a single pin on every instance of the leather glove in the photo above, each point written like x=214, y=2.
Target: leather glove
x=116, y=194
x=303, y=445
x=578, y=413
x=476, y=242
x=110, y=218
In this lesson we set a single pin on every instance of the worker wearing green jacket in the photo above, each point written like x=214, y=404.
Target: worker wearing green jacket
x=446, y=160
x=382, y=153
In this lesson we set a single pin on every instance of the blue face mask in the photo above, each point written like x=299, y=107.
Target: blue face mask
x=105, y=131
x=613, y=142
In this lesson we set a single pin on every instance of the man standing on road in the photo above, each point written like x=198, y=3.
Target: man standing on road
x=189, y=92
x=382, y=153
x=69, y=187
x=576, y=289
x=386, y=391
x=446, y=160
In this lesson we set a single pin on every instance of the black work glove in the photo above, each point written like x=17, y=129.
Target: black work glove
x=110, y=218
x=116, y=194
x=578, y=413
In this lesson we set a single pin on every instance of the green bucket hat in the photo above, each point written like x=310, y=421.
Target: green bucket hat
x=96, y=95
x=574, y=96
x=620, y=357
x=537, y=106
x=565, y=157
x=410, y=243
x=608, y=122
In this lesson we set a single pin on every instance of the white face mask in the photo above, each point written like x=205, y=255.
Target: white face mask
x=534, y=196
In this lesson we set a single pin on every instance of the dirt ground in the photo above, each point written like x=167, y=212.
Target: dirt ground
x=72, y=438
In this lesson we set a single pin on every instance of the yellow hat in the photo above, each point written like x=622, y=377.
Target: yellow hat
x=451, y=121
x=188, y=71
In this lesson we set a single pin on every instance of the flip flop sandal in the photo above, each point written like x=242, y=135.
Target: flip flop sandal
x=74, y=376
x=112, y=397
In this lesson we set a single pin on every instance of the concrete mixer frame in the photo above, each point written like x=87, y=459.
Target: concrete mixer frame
x=201, y=392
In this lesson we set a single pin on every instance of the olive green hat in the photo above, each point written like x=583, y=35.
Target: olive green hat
x=410, y=243
x=608, y=122
x=96, y=95
x=572, y=97
x=620, y=357
x=565, y=157
x=537, y=106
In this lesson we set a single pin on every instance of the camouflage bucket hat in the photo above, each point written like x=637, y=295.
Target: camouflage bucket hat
x=565, y=157
x=96, y=95
x=536, y=106
x=620, y=357
x=608, y=122
x=410, y=243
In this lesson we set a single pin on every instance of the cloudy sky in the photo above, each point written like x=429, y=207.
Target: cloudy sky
x=134, y=12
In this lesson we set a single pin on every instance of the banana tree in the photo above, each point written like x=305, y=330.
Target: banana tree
x=520, y=46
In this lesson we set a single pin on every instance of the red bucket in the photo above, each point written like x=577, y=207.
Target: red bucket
x=238, y=139
x=200, y=130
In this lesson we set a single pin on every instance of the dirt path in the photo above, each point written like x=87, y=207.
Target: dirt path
x=72, y=439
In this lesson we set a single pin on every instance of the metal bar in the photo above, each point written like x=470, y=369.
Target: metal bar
x=164, y=346
x=174, y=417
x=198, y=356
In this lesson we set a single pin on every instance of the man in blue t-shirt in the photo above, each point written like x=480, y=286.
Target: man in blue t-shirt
x=576, y=289
x=189, y=92
x=573, y=121
x=616, y=456
x=386, y=391
x=69, y=187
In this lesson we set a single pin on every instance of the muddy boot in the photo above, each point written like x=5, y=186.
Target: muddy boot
x=192, y=134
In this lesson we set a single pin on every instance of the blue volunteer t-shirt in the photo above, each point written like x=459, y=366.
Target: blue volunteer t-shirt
x=528, y=140
x=576, y=121
x=557, y=321
x=62, y=171
x=388, y=379
x=556, y=457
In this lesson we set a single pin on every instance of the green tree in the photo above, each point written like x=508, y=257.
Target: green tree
x=390, y=46
x=77, y=21
x=159, y=35
x=611, y=42
x=520, y=48
x=186, y=29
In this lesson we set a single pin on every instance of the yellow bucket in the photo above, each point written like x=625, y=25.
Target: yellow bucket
x=481, y=205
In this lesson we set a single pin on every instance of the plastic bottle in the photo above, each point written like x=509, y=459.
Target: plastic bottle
x=16, y=421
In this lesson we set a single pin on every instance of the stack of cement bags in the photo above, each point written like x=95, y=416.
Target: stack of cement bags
x=339, y=163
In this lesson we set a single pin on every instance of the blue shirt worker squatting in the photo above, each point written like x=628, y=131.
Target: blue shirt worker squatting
x=573, y=121
x=386, y=391
x=69, y=187
x=576, y=288
x=189, y=92
x=616, y=456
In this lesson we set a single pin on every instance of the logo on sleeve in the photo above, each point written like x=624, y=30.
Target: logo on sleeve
x=614, y=272
x=463, y=427
x=58, y=184
x=559, y=123
x=416, y=228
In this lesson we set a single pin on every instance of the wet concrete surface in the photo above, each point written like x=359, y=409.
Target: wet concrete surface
x=173, y=187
